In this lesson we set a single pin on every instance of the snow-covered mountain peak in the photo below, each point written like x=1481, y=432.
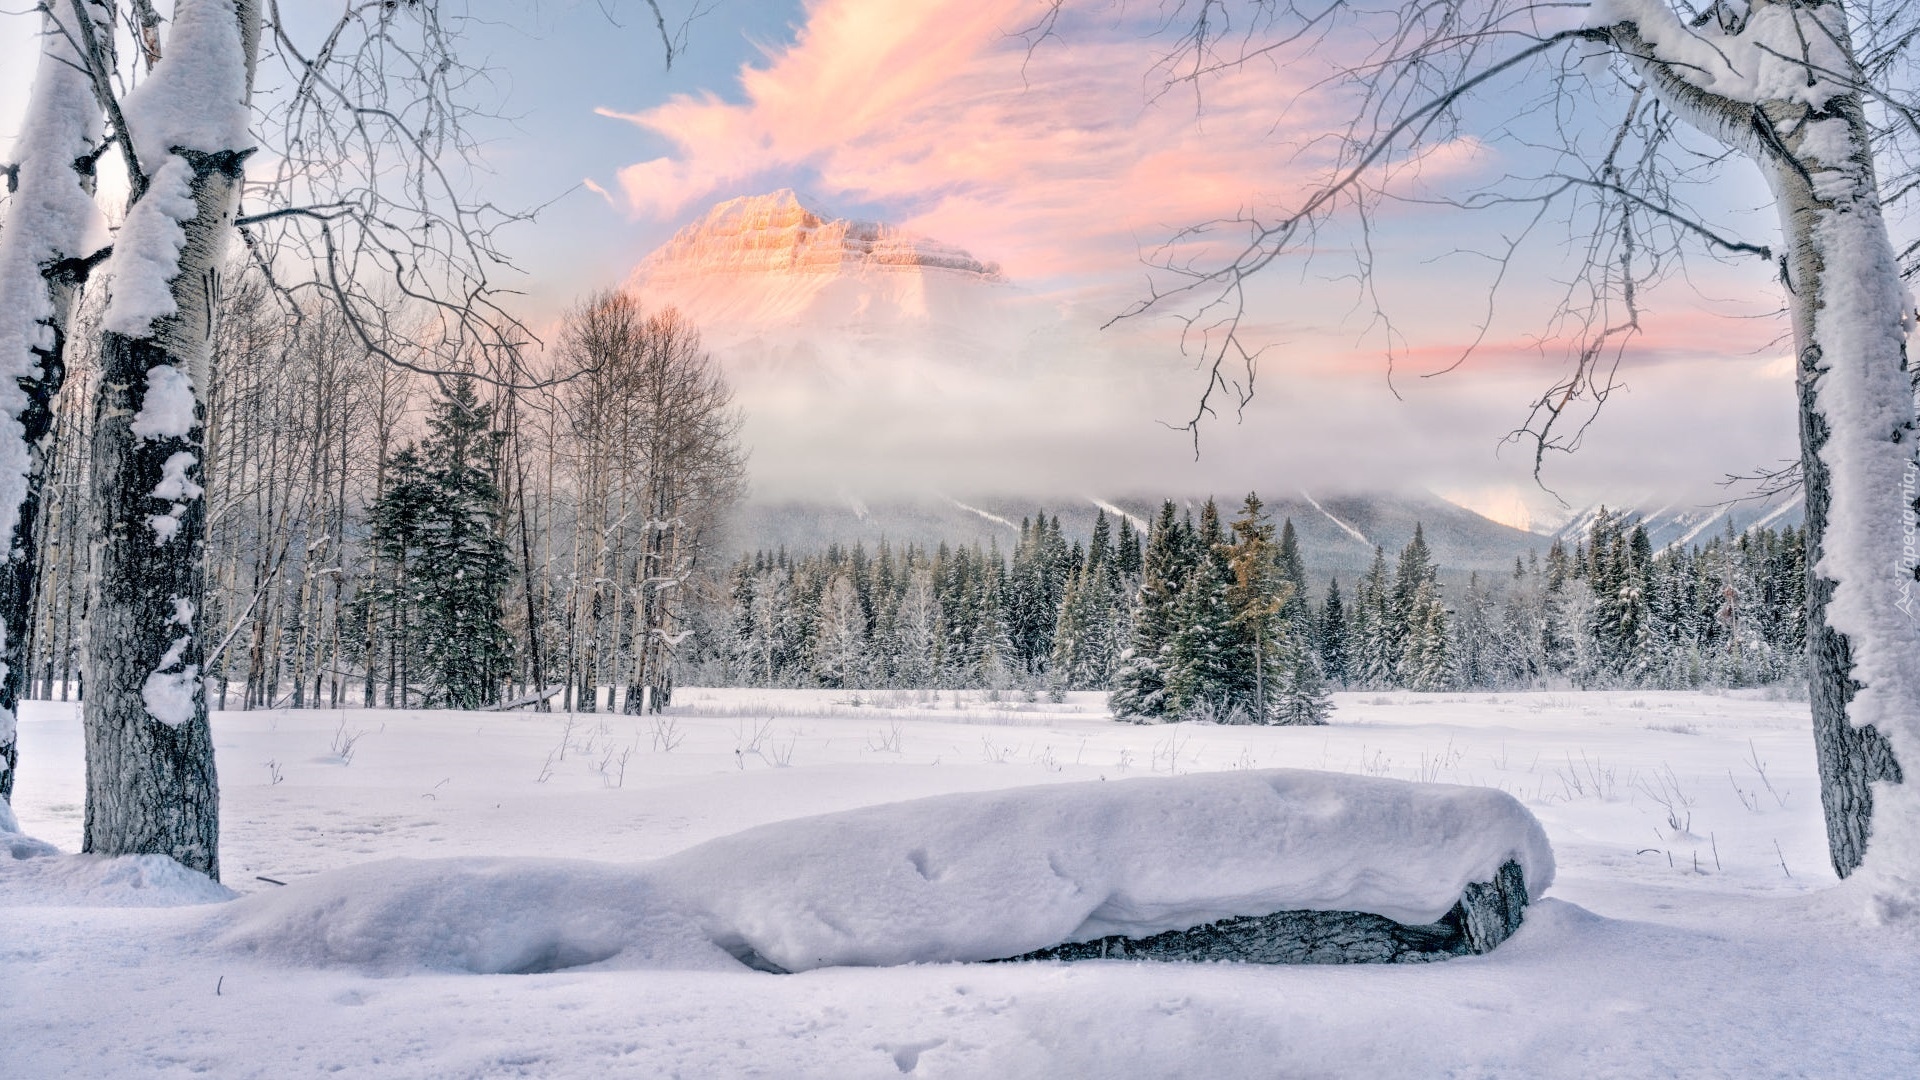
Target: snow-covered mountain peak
x=776, y=234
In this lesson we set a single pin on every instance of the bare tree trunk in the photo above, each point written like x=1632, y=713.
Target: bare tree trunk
x=40, y=272
x=537, y=671
x=150, y=770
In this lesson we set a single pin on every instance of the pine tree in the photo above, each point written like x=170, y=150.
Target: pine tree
x=1633, y=614
x=1374, y=641
x=1140, y=686
x=1296, y=609
x=1130, y=558
x=437, y=528
x=1202, y=655
x=1276, y=678
x=994, y=667
x=1557, y=629
x=1474, y=639
x=468, y=565
x=1426, y=664
x=390, y=610
x=1085, y=641
x=1301, y=697
x=1333, y=635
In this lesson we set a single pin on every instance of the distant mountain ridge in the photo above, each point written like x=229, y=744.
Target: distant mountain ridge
x=1338, y=532
x=775, y=234
x=1686, y=523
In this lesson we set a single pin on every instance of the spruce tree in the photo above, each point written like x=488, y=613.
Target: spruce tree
x=1068, y=638
x=1275, y=677
x=391, y=609
x=1130, y=558
x=1201, y=658
x=1374, y=656
x=1333, y=635
x=1426, y=664
x=1296, y=609
x=993, y=641
x=437, y=529
x=1257, y=597
x=1414, y=571
x=1140, y=686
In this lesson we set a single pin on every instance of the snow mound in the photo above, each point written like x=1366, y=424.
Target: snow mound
x=489, y=916
x=986, y=875
x=35, y=874
x=977, y=876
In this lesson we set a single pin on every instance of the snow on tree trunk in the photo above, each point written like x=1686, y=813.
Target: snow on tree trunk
x=150, y=769
x=1777, y=87
x=44, y=233
x=1856, y=440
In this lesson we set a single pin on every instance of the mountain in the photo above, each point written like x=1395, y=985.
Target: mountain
x=764, y=273
x=1337, y=532
x=774, y=234
x=1688, y=522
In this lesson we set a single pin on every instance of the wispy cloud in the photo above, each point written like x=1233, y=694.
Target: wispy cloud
x=1062, y=162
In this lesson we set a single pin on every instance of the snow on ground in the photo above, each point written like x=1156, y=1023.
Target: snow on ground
x=1693, y=927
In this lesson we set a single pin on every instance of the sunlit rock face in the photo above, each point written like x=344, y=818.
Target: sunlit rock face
x=775, y=234
x=768, y=264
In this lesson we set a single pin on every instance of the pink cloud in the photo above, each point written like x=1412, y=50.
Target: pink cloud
x=1057, y=163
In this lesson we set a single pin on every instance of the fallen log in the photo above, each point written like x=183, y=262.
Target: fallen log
x=1487, y=914
x=534, y=698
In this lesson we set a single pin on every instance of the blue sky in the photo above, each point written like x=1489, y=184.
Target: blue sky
x=1064, y=168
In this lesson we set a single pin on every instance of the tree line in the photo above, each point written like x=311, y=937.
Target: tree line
x=1211, y=618
x=381, y=537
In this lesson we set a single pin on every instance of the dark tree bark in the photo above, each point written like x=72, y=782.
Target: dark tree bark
x=1487, y=914
x=150, y=783
x=19, y=578
x=1851, y=758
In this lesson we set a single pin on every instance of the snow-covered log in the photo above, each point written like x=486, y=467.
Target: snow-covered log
x=1488, y=913
x=1430, y=869
x=991, y=875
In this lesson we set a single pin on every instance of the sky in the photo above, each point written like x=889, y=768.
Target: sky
x=1065, y=165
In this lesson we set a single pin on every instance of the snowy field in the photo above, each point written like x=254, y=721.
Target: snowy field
x=1693, y=927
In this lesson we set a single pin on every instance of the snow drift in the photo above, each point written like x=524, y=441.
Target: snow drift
x=34, y=873
x=977, y=876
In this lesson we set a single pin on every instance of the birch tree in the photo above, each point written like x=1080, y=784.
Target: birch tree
x=43, y=244
x=1617, y=119
x=654, y=440
x=183, y=138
